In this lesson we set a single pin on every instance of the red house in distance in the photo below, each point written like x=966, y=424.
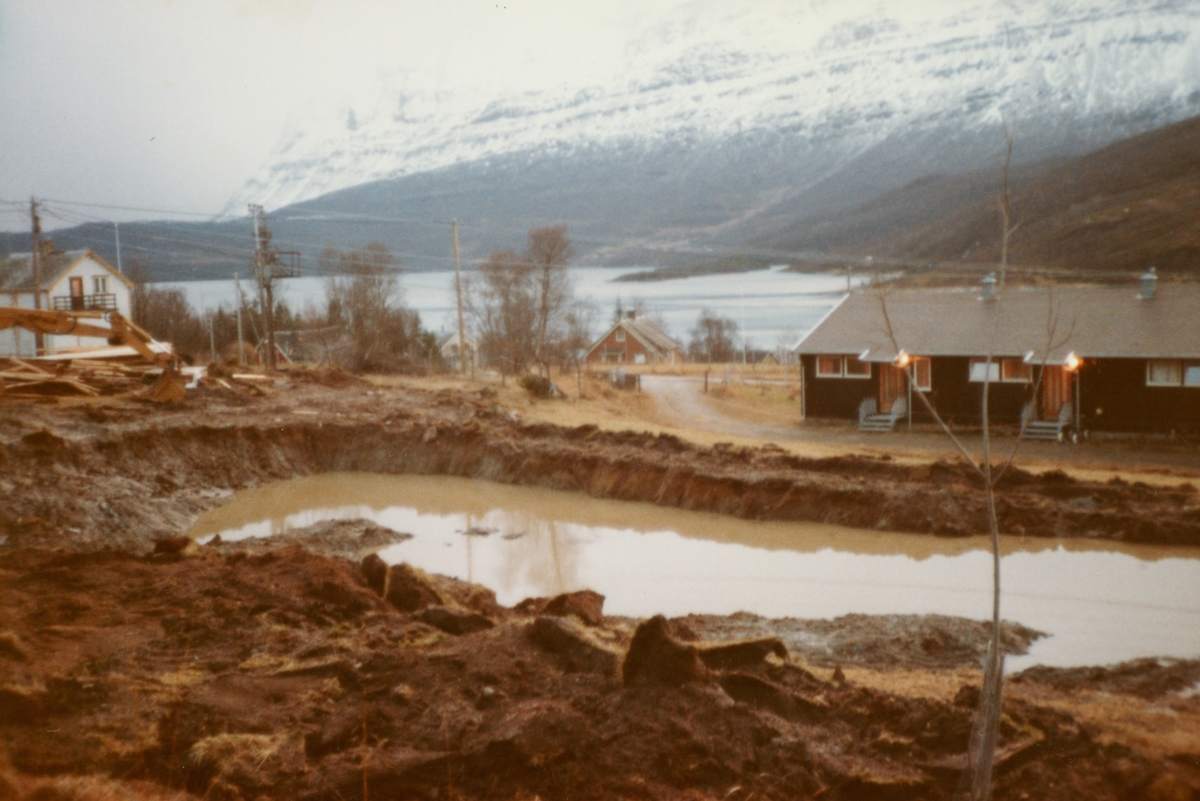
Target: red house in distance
x=635, y=340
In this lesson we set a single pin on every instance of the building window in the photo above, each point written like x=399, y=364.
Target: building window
x=1164, y=373
x=100, y=284
x=620, y=334
x=1016, y=370
x=829, y=367
x=853, y=368
x=922, y=374
x=1191, y=375
x=981, y=370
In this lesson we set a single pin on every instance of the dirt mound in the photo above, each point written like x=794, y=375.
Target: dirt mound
x=1146, y=678
x=877, y=641
x=234, y=675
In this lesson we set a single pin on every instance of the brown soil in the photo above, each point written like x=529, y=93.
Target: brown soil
x=136, y=663
x=284, y=674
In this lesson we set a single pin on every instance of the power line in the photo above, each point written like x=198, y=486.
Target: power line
x=132, y=208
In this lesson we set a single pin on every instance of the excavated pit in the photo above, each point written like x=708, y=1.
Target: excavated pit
x=123, y=475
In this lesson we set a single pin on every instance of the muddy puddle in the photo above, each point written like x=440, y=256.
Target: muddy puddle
x=1101, y=602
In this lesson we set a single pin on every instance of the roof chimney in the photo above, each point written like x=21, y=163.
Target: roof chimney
x=989, y=286
x=1149, y=284
x=631, y=314
x=46, y=247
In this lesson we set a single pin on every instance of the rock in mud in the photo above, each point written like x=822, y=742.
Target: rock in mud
x=405, y=587
x=743, y=653
x=175, y=546
x=759, y=692
x=455, y=621
x=656, y=657
x=11, y=647
x=577, y=650
x=532, y=734
x=586, y=605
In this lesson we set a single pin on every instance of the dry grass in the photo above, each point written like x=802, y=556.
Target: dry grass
x=222, y=749
x=1158, y=728
x=17, y=787
x=941, y=685
x=764, y=404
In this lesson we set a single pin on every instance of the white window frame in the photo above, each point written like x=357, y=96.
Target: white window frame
x=620, y=335
x=1175, y=381
x=836, y=360
x=846, y=360
x=992, y=372
x=1191, y=375
x=100, y=284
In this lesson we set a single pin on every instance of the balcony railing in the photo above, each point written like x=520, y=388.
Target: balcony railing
x=101, y=302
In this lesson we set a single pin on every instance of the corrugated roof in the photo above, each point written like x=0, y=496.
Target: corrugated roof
x=16, y=270
x=1091, y=321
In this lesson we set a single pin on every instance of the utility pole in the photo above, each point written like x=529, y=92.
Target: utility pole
x=264, y=259
x=462, y=336
x=35, y=256
x=237, y=286
x=212, y=337
x=117, y=230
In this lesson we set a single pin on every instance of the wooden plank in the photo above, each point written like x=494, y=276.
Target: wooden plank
x=31, y=367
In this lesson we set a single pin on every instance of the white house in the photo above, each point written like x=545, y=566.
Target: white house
x=449, y=346
x=76, y=280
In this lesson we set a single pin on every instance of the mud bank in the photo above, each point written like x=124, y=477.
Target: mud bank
x=120, y=475
x=223, y=674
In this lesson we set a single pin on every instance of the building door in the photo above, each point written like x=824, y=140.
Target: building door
x=76, y=292
x=891, y=386
x=1056, y=391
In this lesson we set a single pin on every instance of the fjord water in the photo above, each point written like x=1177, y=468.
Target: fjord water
x=767, y=304
x=1101, y=602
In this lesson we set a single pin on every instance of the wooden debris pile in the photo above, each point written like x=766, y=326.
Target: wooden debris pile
x=60, y=378
x=25, y=378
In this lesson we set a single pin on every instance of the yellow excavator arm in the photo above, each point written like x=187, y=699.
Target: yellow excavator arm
x=120, y=331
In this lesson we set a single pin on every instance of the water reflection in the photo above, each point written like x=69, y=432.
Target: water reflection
x=1102, y=601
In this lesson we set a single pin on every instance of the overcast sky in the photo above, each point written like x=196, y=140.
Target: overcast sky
x=173, y=105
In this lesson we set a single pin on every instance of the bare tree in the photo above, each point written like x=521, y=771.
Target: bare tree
x=364, y=295
x=580, y=322
x=712, y=338
x=520, y=302
x=502, y=304
x=548, y=255
x=977, y=781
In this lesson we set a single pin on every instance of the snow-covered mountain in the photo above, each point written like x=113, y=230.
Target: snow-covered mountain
x=733, y=108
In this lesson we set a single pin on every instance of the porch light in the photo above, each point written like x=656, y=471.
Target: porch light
x=1072, y=362
x=902, y=359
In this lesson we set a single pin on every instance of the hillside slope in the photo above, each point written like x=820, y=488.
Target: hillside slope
x=1124, y=207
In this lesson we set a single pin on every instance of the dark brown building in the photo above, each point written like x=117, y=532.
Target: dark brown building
x=1114, y=358
x=635, y=340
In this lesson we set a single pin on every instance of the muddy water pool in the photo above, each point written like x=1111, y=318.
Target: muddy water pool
x=1101, y=602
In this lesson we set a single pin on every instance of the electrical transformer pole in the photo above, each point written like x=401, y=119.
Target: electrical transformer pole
x=35, y=256
x=462, y=335
x=263, y=260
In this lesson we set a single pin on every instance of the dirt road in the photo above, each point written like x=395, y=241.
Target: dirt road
x=682, y=401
